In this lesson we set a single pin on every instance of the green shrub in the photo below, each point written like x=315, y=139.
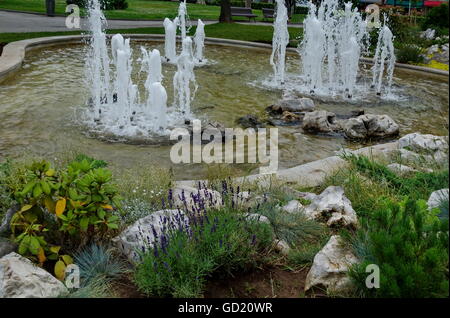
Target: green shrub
x=410, y=246
x=219, y=242
x=437, y=18
x=409, y=53
x=70, y=207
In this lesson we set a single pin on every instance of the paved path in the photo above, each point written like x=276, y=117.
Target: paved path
x=12, y=22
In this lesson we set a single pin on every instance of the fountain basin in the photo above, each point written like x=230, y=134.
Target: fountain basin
x=39, y=102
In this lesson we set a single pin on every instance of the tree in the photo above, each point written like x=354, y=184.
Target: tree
x=225, y=11
x=290, y=6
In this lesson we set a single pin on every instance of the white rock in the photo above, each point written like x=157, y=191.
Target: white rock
x=139, y=236
x=20, y=278
x=282, y=247
x=436, y=198
x=211, y=198
x=423, y=142
x=334, y=206
x=370, y=125
x=307, y=195
x=330, y=267
x=292, y=206
x=257, y=217
x=428, y=34
x=400, y=169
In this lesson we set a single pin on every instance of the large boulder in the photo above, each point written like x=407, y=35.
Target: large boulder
x=19, y=278
x=370, y=126
x=148, y=231
x=423, y=143
x=189, y=198
x=330, y=267
x=319, y=121
x=332, y=207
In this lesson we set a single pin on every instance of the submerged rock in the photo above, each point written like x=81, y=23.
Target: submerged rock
x=330, y=267
x=333, y=207
x=292, y=105
x=319, y=121
x=370, y=126
x=19, y=278
x=250, y=121
x=148, y=231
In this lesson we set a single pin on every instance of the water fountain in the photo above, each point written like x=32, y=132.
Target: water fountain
x=384, y=55
x=170, y=43
x=199, y=40
x=183, y=19
x=116, y=107
x=183, y=78
x=279, y=42
x=331, y=48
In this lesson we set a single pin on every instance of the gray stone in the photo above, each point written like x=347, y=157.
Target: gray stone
x=6, y=246
x=211, y=198
x=257, y=217
x=423, y=142
x=148, y=231
x=292, y=206
x=5, y=225
x=436, y=198
x=319, y=121
x=369, y=125
x=19, y=278
x=295, y=105
x=282, y=247
x=330, y=268
x=333, y=207
x=400, y=169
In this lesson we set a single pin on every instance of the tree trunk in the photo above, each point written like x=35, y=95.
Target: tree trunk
x=225, y=11
x=248, y=3
x=201, y=2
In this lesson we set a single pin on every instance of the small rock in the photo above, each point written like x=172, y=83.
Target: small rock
x=5, y=225
x=428, y=34
x=294, y=105
x=257, y=217
x=370, y=126
x=436, y=198
x=330, y=267
x=292, y=207
x=290, y=117
x=282, y=247
x=319, y=121
x=400, y=169
x=19, y=278
x=354, y=128
x=332, y=206
x=148, y=231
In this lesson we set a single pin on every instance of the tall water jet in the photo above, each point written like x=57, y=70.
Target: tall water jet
x=183, y=78
x=384, y=55
x=280, y=41
x=97, y=62
x=331, y=48
x=182, y=18
x=199, y=40
x=170, y=44
x=158, y=100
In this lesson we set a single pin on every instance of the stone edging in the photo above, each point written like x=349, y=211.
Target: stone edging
x=14, y=52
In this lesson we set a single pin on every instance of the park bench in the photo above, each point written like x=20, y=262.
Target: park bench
x=268, y=13
x=243, y=12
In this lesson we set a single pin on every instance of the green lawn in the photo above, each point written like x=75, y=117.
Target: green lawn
x=137, y=9
x=242, y=32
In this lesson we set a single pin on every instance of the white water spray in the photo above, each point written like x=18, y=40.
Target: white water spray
x=170, y=44
x=384, y=55
x=199, y=40
x=279, y=42
x=183, y=78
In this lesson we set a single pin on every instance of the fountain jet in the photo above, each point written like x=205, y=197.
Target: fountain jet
x=384, y=55
x=199, y=40
x=279, y=42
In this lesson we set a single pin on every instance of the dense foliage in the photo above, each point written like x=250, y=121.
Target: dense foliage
x=437, y=18
x=106, y=4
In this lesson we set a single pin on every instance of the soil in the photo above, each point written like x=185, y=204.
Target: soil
x=272, y=282
x=265, y=283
